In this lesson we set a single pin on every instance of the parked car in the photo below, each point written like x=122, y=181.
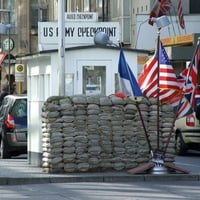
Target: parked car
x=13, y=126
x=187, y=131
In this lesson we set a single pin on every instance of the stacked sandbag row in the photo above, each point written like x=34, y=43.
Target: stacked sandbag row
x=97, y=133
x=52, y=128
x=105, y=133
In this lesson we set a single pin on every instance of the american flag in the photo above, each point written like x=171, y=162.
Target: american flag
x=180, y=14
x=172, y=89
x=161, y=7
x=148, y=79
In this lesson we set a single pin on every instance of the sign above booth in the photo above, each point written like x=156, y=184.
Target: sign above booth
x=81, y=16
x=76, y=34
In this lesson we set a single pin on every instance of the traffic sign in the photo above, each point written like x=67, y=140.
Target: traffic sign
x=19, y=73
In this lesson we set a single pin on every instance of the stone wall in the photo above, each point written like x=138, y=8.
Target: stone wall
x=101, y=133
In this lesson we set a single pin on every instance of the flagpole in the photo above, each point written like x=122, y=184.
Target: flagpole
x=138, y=108
x=157, y=163
x=168, y=164
x=172, y=125
x=179, y=105
x=158, y=89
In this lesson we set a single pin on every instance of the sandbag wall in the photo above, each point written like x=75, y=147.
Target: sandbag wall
x=101, y=133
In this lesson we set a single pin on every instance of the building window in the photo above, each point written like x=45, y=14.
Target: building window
x=99, y=6
x=194, y=7
x=94, y=80
x=4, y=16
x=69, y=84
x=38, y=14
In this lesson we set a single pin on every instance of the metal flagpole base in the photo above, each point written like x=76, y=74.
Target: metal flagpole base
x=158, y=159
x=157, y=166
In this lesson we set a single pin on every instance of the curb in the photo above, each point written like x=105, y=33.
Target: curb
x=98, y=178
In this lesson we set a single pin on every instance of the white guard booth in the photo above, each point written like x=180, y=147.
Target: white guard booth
x=88, y=70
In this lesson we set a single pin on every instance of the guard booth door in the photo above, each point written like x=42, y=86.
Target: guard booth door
x=95, y=78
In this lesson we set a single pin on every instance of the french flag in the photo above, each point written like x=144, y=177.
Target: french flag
x=128, y=82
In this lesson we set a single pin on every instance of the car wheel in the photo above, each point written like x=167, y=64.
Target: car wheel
x=180, y=146
x=4, y=152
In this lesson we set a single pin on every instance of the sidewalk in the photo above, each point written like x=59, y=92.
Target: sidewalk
x=18, y=171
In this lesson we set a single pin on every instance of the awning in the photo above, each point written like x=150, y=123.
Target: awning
x=4, y=58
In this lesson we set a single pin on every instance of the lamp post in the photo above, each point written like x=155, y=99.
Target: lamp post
x=61, y=47
x=4, y=29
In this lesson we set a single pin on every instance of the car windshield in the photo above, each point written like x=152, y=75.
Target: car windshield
x=19, y=112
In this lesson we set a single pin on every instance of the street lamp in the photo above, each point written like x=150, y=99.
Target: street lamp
x=102, y=38
x=4, y=29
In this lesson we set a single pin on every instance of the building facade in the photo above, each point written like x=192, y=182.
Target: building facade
x=26, y=14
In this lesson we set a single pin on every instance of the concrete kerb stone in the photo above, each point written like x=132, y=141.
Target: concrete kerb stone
x=99, y=178
x=23, y=181
x=126, y=178
x=172, y=177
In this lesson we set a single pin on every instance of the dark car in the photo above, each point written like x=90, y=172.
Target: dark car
x=13, y=126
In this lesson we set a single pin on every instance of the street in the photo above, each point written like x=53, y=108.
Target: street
x=190, y=161
x=103, y=191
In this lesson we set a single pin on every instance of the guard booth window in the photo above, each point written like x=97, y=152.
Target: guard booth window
x=94, y=80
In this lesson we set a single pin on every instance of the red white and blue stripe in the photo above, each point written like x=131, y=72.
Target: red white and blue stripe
x=128, y=82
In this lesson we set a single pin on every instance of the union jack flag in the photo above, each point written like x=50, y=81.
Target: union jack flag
x=184, y=105
x=190, y=76
x=161, y=7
